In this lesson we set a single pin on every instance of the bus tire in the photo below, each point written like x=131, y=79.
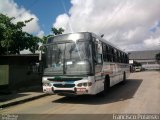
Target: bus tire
x=106, y=87
x=124, y=78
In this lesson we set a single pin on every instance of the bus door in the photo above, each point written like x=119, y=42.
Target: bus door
x=98, y=62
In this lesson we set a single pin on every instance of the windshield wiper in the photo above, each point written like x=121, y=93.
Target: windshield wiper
x=64, y=71
x=64, y=68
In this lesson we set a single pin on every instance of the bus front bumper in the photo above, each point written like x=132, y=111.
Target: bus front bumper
x=65, y=91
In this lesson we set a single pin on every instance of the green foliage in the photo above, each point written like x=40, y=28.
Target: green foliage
x=45, y=38
x=57, y=31
x=13, y=39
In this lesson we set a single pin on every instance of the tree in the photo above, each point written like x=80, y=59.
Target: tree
x=13, y=39
x=5, y=33
x=45, y=38
x=31, y=42
x=158, y=58
x=57, y=31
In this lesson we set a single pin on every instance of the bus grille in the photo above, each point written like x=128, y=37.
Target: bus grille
x=64, y=86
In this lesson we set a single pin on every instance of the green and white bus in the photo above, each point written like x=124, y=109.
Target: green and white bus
x=82, y=63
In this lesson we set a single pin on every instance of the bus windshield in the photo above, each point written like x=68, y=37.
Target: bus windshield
x=70, y=58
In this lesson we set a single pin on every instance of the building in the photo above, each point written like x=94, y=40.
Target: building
x=146, y=58
x=19, y=71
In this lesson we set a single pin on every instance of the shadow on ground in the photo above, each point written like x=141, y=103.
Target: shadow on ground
x=4, y=97
x=119, y=92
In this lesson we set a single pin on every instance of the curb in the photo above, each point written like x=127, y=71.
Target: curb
x=22, y=101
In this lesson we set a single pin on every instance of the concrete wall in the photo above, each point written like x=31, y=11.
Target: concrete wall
x=23, y=71
x=4, y=74
x=21, y=76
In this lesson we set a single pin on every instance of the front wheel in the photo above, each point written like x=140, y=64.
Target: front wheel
x=124, y=78
x=106, y=88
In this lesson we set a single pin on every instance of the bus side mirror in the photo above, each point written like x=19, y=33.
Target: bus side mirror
x=40, y=52
x=99, y=48
x=99, y=59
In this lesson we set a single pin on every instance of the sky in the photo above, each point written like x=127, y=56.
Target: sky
x=129, y=24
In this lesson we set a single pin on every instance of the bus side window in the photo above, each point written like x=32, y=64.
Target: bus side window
x=98, y=56
x=99, y=59
x=98, y=52
x=104, y=52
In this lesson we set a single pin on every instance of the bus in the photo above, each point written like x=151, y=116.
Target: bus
x=82, y=64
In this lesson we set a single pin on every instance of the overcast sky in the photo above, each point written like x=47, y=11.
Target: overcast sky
x=129, y=24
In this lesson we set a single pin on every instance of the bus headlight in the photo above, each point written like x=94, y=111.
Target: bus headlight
x=79, y=84
x=85, y=84
x=47, y=84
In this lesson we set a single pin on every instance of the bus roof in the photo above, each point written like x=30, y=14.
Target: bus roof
x=107, y=42
x=88, y=34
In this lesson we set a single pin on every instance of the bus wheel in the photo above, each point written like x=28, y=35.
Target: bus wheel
x=106, y=88
x=124, y=78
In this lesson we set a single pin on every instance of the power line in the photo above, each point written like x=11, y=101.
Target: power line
x=70, y=26
x=116, y=11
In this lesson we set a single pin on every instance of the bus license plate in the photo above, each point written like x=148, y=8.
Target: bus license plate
x=81, y=89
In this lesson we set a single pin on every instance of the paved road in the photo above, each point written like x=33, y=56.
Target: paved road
x=140, y=94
